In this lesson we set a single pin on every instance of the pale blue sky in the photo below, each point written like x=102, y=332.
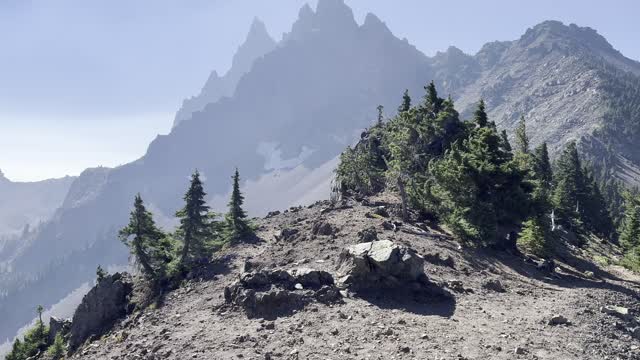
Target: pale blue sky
x=88, y=82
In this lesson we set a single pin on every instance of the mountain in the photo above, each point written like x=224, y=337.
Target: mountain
x=302, y=103
x=257, y=43
x=29, y=203
x=569, y=84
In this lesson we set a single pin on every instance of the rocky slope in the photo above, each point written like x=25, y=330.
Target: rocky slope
x=495, y=305
x=303, y=102
x=564, y=80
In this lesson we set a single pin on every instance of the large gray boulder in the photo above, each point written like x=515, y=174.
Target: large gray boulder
x=387, y=267
x=105, y=303
x=380, y=264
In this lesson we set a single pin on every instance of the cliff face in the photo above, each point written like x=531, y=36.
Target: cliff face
x=299, y=104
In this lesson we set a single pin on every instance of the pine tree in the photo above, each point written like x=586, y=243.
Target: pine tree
x=380, y=109
x=40, y=310
x=522, y=139
x=505, y=140
x=476, y=186
x=595, y=210
x=630, y=233
x=100, y=273
x=569, y=185
x=406, y=102
x=480, y=115
x=57, y=349
x=542, y=165
x=533, y=237
x=432, y=103
x=146, y=242
x=236, y=219
x=194, y=229
x=17, y=351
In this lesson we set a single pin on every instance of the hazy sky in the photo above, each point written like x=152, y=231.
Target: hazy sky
x=87, y=82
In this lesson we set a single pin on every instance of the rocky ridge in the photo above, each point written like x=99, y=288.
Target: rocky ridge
x=488, y=304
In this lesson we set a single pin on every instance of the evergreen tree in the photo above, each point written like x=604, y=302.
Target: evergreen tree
x=146, y=242
x=432, y=102
x=595, y=211
x=522, y=139
x=33, y=343
x=630, y=232
x=380, y=109
x=542, y=165
x=480, y=115
x=406, y=102
x=569, y=187
x=533, y=237
x=57, y=350
x=100, y=274
x=505, y=141
x=17, y=351
x=194, y=229
x=236, y=219
x=476, y=187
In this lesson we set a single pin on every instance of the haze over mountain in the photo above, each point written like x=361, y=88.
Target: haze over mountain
x=257, y=43
x=283, y=114
x=29, y=203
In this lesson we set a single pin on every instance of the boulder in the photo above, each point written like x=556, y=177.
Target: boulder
x=368, y=235
x=107, y=301
x=287, y=234
x=58, y=326
x=494, y=285
x=558, y=320
x=384, y=265
x=271, y=293
x=323, y=228
x=379, y=263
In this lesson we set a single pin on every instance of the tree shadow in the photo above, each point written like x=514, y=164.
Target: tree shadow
x=432, y=301
x=565, y=278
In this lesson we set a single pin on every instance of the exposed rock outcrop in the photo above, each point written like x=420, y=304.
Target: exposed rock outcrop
x=58, y=326
x=271, y=293
x=380, y=265
x=106, y=302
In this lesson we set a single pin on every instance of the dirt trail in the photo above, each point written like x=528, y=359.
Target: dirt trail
x=477, y=323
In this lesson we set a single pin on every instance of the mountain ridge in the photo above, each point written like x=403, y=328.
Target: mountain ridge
x=280, y=101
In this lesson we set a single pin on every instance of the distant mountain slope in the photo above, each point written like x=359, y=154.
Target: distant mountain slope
x=257, y=43
x=567, y=82
x=29, y=203
x=301, y=103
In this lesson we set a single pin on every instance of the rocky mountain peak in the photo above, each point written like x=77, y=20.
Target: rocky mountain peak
x=331, y=16
x=335, y=11
x=257, y=43
x=373, y=23
x=556, y=32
